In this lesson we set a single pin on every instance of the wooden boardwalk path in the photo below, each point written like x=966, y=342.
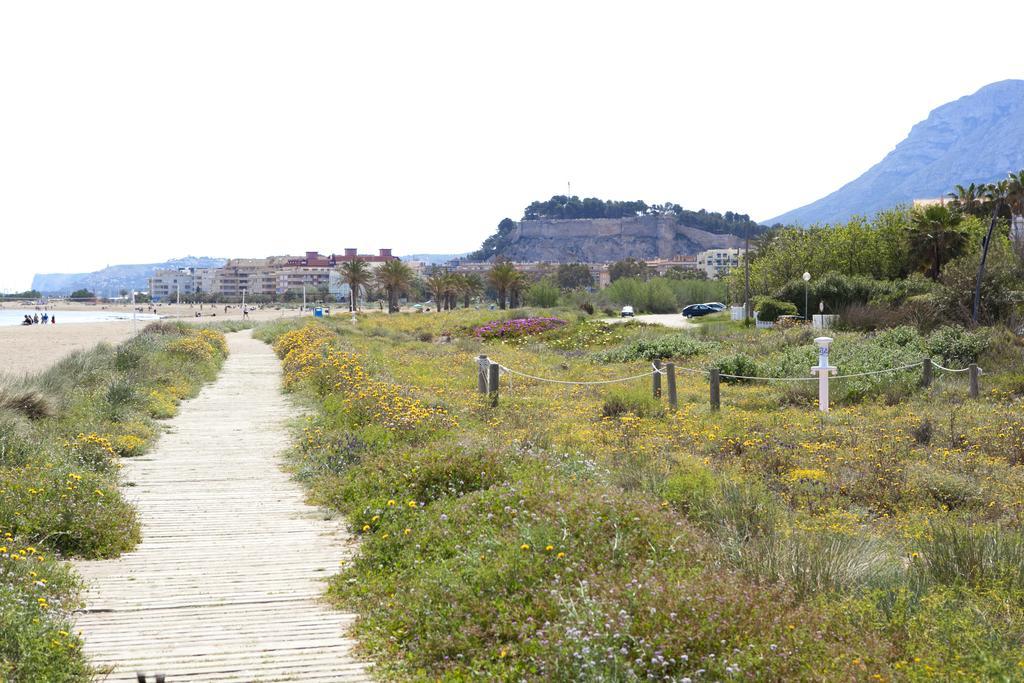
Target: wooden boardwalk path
x=227, y=581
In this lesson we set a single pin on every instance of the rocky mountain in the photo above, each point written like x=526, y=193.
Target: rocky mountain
x=597, y=240
x=977, y=138
x=112, y=279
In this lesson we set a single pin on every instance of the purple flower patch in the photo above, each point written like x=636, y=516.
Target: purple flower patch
x=519, y=327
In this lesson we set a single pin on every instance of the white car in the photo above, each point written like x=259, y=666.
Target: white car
x=626, y=312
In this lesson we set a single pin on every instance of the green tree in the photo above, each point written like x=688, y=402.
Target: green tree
x=680, y=273
x=543, y=294
x=935, y=237
x=629, y=267
x=627, y=291
x=659, y=296
x=501, y=276
x=28, y=294
x=395, y=277
x=82, y=294
x=356, y=274
x=574, y=276
x=494, y=245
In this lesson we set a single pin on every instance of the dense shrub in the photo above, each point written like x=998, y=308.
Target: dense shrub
x=839, y=292
x=738, y=364
x=958, y=346
x=835, y=290
x=1001, y=280
x=769, y=309
x=900, y=337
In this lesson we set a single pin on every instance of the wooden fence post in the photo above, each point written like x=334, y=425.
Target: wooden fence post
x=492, y=383
x=713, y=375
x=972, y=370
x=670, y=377
x=656, y=379
x=481, y=374
x=926, y=373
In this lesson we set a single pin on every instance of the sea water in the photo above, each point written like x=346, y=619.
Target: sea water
x=14, y=316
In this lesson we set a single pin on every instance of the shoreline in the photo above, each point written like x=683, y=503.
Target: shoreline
x=28, y=349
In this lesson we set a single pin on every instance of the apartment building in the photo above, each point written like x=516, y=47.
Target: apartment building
x=718, y=262
x=663, y=265
x=170, y=283
x=268, y=277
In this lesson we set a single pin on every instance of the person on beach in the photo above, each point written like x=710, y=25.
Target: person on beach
x=46, y=318
x=35, y=318
x=53, y=319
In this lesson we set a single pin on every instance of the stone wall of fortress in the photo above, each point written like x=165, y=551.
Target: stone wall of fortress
x=597, y=240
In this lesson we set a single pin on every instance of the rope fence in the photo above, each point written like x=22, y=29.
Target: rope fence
x=489, y=372
x=580, y=383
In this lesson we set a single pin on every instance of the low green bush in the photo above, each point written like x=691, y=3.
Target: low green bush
x=654, y=348
x=738, y=364
x=637, y=401
x=37, y=596
x=958, y=346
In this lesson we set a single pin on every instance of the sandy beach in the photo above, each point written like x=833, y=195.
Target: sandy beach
x=32, y=348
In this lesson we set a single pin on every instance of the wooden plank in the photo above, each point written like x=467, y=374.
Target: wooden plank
x=228, y=581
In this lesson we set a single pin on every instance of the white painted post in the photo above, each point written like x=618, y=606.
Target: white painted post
x=823, y=371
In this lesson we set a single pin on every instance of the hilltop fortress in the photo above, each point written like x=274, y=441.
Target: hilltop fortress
x=604, y=240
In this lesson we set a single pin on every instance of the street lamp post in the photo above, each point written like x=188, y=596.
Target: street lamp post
x=807, y=278
x=746, y=277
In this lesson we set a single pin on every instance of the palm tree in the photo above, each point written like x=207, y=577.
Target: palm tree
x=472, y=286
x=996, y=195
x=396, y=278
x=515, y=289
x=437, y=284
x=356, y=274
x=452, y=289
x=501, y=276
x=935, y=237
x=968, y=200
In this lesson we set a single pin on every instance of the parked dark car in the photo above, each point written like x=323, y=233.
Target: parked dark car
x=717, y=305
x=697, y=310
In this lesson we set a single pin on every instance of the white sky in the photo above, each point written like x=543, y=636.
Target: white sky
x=139, y=131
